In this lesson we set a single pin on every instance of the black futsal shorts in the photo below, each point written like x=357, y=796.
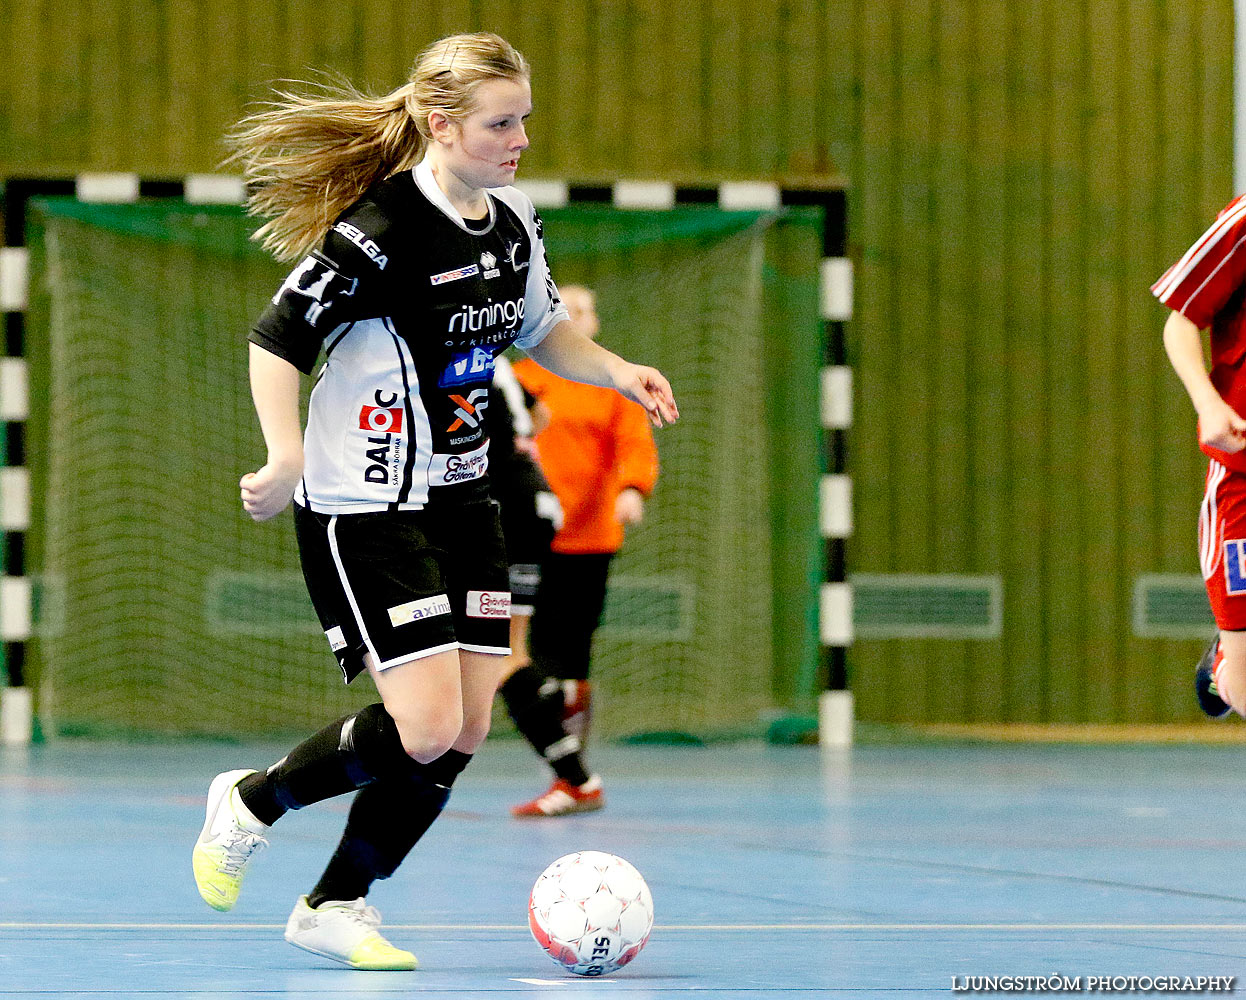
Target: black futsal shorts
x=531, y=515
x=406, y=584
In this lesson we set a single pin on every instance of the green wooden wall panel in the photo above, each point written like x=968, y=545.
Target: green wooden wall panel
x=880, y=671
x=1144, y=370
x=1064, y=298
x=609, y=53
x=728, y=135
x=1019, y=175
x=988, y=265
x=650, y=117
x=950, y=203
x=763, y=148
x=684, y=85
x=1104, y=418
x=570, y=112
x=9, y=46
x=1064, y=399
x=802, y=71
x=914, y=302
x=1029, y=367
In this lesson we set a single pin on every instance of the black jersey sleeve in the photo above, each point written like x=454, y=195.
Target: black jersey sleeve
x=342, y=282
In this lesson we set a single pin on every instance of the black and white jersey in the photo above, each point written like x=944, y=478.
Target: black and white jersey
x=411, y=305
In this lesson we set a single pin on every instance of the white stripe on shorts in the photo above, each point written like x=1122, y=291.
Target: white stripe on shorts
x=350, y=594
x=1208, y=521
x=354, y=607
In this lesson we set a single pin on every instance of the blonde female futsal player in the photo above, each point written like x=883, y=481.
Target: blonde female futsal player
x=419, y=264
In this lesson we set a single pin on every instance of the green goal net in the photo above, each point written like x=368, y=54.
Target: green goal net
x=162, y=609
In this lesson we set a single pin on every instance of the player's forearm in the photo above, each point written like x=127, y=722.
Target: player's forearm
x=275, y=390
x=1184, y=344
x=567, y=352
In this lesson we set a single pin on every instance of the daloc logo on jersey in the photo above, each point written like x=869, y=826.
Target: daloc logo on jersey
x=489, y=263
x=381, y=420
x=1235, y=565
x=384, y=425
x=470, y=366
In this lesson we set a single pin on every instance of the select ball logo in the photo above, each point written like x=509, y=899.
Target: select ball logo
x=381, y=420
x=591, y=912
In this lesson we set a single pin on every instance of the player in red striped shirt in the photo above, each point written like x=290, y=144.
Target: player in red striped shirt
x=1205, y=289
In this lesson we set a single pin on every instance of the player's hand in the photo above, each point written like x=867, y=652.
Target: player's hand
x=629, y=506
x=648, y=387
x=266, y=493
x=1221, y=427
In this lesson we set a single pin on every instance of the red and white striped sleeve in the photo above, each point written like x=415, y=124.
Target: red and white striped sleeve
x=1207, y=275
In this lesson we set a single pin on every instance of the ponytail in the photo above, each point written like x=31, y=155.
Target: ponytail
x=306, y=158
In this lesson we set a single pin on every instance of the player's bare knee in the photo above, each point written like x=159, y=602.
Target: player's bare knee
x=472, y=735
x=427, y=739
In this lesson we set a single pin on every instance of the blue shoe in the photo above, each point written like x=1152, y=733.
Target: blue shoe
x=1209, y=699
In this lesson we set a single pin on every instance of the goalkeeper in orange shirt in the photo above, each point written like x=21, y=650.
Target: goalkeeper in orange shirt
x=598, y=453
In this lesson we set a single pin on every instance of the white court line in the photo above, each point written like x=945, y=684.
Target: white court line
x=750, y=928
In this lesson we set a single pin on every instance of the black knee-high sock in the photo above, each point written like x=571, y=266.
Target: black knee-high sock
x=535, y=702
x=386, y=820
x=347, y=754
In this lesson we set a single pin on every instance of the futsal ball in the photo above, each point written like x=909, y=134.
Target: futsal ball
x=591, y=912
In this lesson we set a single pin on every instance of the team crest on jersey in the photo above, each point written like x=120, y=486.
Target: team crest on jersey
x=513, y=251
x=489, y=263
x=1235, y=566
x=469, y=271
x=470, y=366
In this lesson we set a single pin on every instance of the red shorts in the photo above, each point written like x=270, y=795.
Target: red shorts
x=1222, y=545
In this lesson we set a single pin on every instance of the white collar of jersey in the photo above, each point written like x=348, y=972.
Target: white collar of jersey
x=427, y=183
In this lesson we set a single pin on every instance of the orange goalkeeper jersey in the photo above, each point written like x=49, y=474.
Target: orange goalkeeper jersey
x=596, y=445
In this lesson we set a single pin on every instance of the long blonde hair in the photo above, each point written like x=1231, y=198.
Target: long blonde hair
x=308, y=157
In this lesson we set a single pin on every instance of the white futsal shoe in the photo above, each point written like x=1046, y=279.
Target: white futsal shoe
x=230, y=837
x=347, y=933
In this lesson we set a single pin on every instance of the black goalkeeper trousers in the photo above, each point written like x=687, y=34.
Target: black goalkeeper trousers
x=567, y=611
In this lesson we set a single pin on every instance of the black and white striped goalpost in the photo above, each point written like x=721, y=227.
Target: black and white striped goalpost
x=15, y=593
x=835, y=706
x=835, y=488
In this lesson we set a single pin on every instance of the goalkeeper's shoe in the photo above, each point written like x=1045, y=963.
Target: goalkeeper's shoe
x=228, y=841
x=563, y=799
x=347, y=932
x=1209, y=699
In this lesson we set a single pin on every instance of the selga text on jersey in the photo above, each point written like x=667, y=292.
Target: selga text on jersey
x=411, y=306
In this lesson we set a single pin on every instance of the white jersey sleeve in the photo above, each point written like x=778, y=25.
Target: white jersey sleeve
x=543, y=308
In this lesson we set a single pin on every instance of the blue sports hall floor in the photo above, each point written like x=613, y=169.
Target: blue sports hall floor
x=893, y=869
